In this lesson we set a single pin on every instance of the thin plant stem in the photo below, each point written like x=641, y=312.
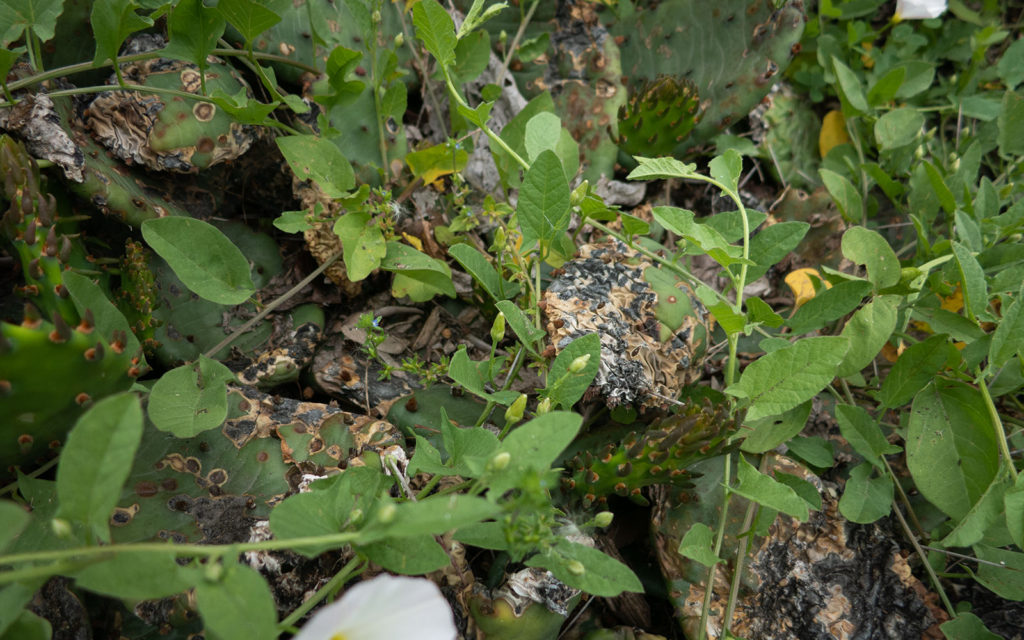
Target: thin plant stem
x=924, y=560
x=709, y=586
x=350, y=570
x=997, y=424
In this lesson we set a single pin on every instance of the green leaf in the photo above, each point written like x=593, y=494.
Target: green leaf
x=828, y=305
x=758, y=311
x=1013, y=501
x=28, y=626
x=193, y=30
x=850, y=87
x=478, y=115
x=783, y=379
x=435, y=515
x=243, y=108
x=885, y=88
x=566, y=392
x=698, y=545
x=768, y=492
x=96, y=461
x=320, y=160
x=477, y=265
x=972, y=276
x=137, y=575
x=767, y=433
x=845, y=195
x=984, y=516
x=191, y=399
x=486, y=535
x=863, y=434
x=362, y=243
x=12, y=598
x=107, y=318
x=466, y=372
x=601, y=576
x=466, y=446
x=435, y=28
x=868, y=330
x=803, y=488
x=292, y=222
x=867, y=247
x=770, y=245
x=656, y=168
x=1011, y=65
x=112, y=22
x=813, y=450
x=951, y=449
x=1008, y=339
x=898, y=128
x=528, y=334
x=543, y=206
x=967, y=626
x=1011, y=125
x=436, y=161
x=250, y=18
x=939, y=187
x=726, y=169
x=202, y=257
x=417, y=275
x=542, y=134
x=914, y=368
x=410, y=556
x=38, y=15
x=538, y=443
x=706, y=239
x=1006, y=581
x=239, y=606
x=865, y=498
x=13, y=520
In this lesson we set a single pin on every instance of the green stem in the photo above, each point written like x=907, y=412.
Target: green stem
x=457, y=97
x=340, y=578
x=924, y=560
x=741, y=553
x=378, y=105
x=997, y=424
x=709, y=585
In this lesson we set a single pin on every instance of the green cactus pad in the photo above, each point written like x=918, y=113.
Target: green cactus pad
x=658, y=116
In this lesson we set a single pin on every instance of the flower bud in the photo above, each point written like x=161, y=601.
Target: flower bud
x=579, y=193
x=603, y=519
x=579, y=364
x=500, y=462
x=515, y=412
x=498, y=328
x=544, y=406
x=375, y=17
x=213, y=572
x=576, y=567
x=61, y=528
x=386, y=513
x=399, y=40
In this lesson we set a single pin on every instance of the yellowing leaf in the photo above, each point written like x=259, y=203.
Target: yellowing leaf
x=866, y=58
x=413, y=240
x=833, y=132
x=954, y=302
x=802, y=285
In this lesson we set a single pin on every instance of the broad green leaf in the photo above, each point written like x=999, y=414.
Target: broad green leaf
x=292, y=222
x=783, y=379
x=528, y=334
x=320, y=160
x=434, y=515
x=768, y=492
x=466, y=445
x=967, y=626
x=1008, y=339
x=726, y=169
x=803, y=488
x=898, y=128
x=869, y=248
x=850, y=87
x=1011, y=125
x=28, y=626
x=410, y=556
x=634, y=226
x=13, y=520
x=242, y=107
x=565, y=388
x=486, y=535
x=13, y=597
x=96, y=461
x=914, y=368
x=40, y=16
x=417, y=275
x=543, y=206
x=885, y=88
x=767, y=433
x=986, y=513
x=601, y=575
x=706, y=239
x=477, y=115
x=939, y=187
x=829, y=305
x=868, y=330
x=942, y=321
x=202, y=257
x=134, y=575
x=655, y=168
x=1011, y=65
x=435, y=28
x=865, y=498
x=112, y=22
x=813, y=450
x=466, y=372
x=698, y=545
x=730, y=223
x=477, y=265
x=951, y=448
x=863, y=434
x=542, y=134
x=436, y=161
x=193, y=29
x=771, y=244
x=250, y=18
x=239, y=606
x=1006, y=581
x=845, y=195
x=362, y=244
x=538, y=443
x=972, y=276
x=107, y=318
x=1013, y=501
x=191, y=399
x=758, y=311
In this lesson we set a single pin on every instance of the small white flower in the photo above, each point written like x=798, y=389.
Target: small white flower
x=919, y=9
x=385, y=608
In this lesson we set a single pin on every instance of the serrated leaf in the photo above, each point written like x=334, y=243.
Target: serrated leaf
x=768, y=492
x=866, y=498
x=783, y=379
x=191, y=398
x=320, y=160
x=239, y=606
x=436, y=29
x=112, y=22
x=565, y=393
x=698, y=545
x=96, y=461
x=209, y=264
x=869, y=248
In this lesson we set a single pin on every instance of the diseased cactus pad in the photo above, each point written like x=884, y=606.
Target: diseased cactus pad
x=167, y=133
x=653, y=331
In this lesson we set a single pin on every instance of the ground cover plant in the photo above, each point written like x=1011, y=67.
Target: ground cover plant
x=588, y=319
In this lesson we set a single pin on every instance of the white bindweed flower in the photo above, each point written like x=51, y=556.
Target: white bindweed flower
x=919, y=9
x=385, y=608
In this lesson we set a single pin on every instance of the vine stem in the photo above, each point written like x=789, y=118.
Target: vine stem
x=709, y=587
x=352, y=568
x=924, y=560
x=997, y=424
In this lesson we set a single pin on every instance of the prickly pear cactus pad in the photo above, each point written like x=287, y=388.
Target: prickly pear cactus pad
x=608, y=290
x=170, y=134
x=658, y=116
